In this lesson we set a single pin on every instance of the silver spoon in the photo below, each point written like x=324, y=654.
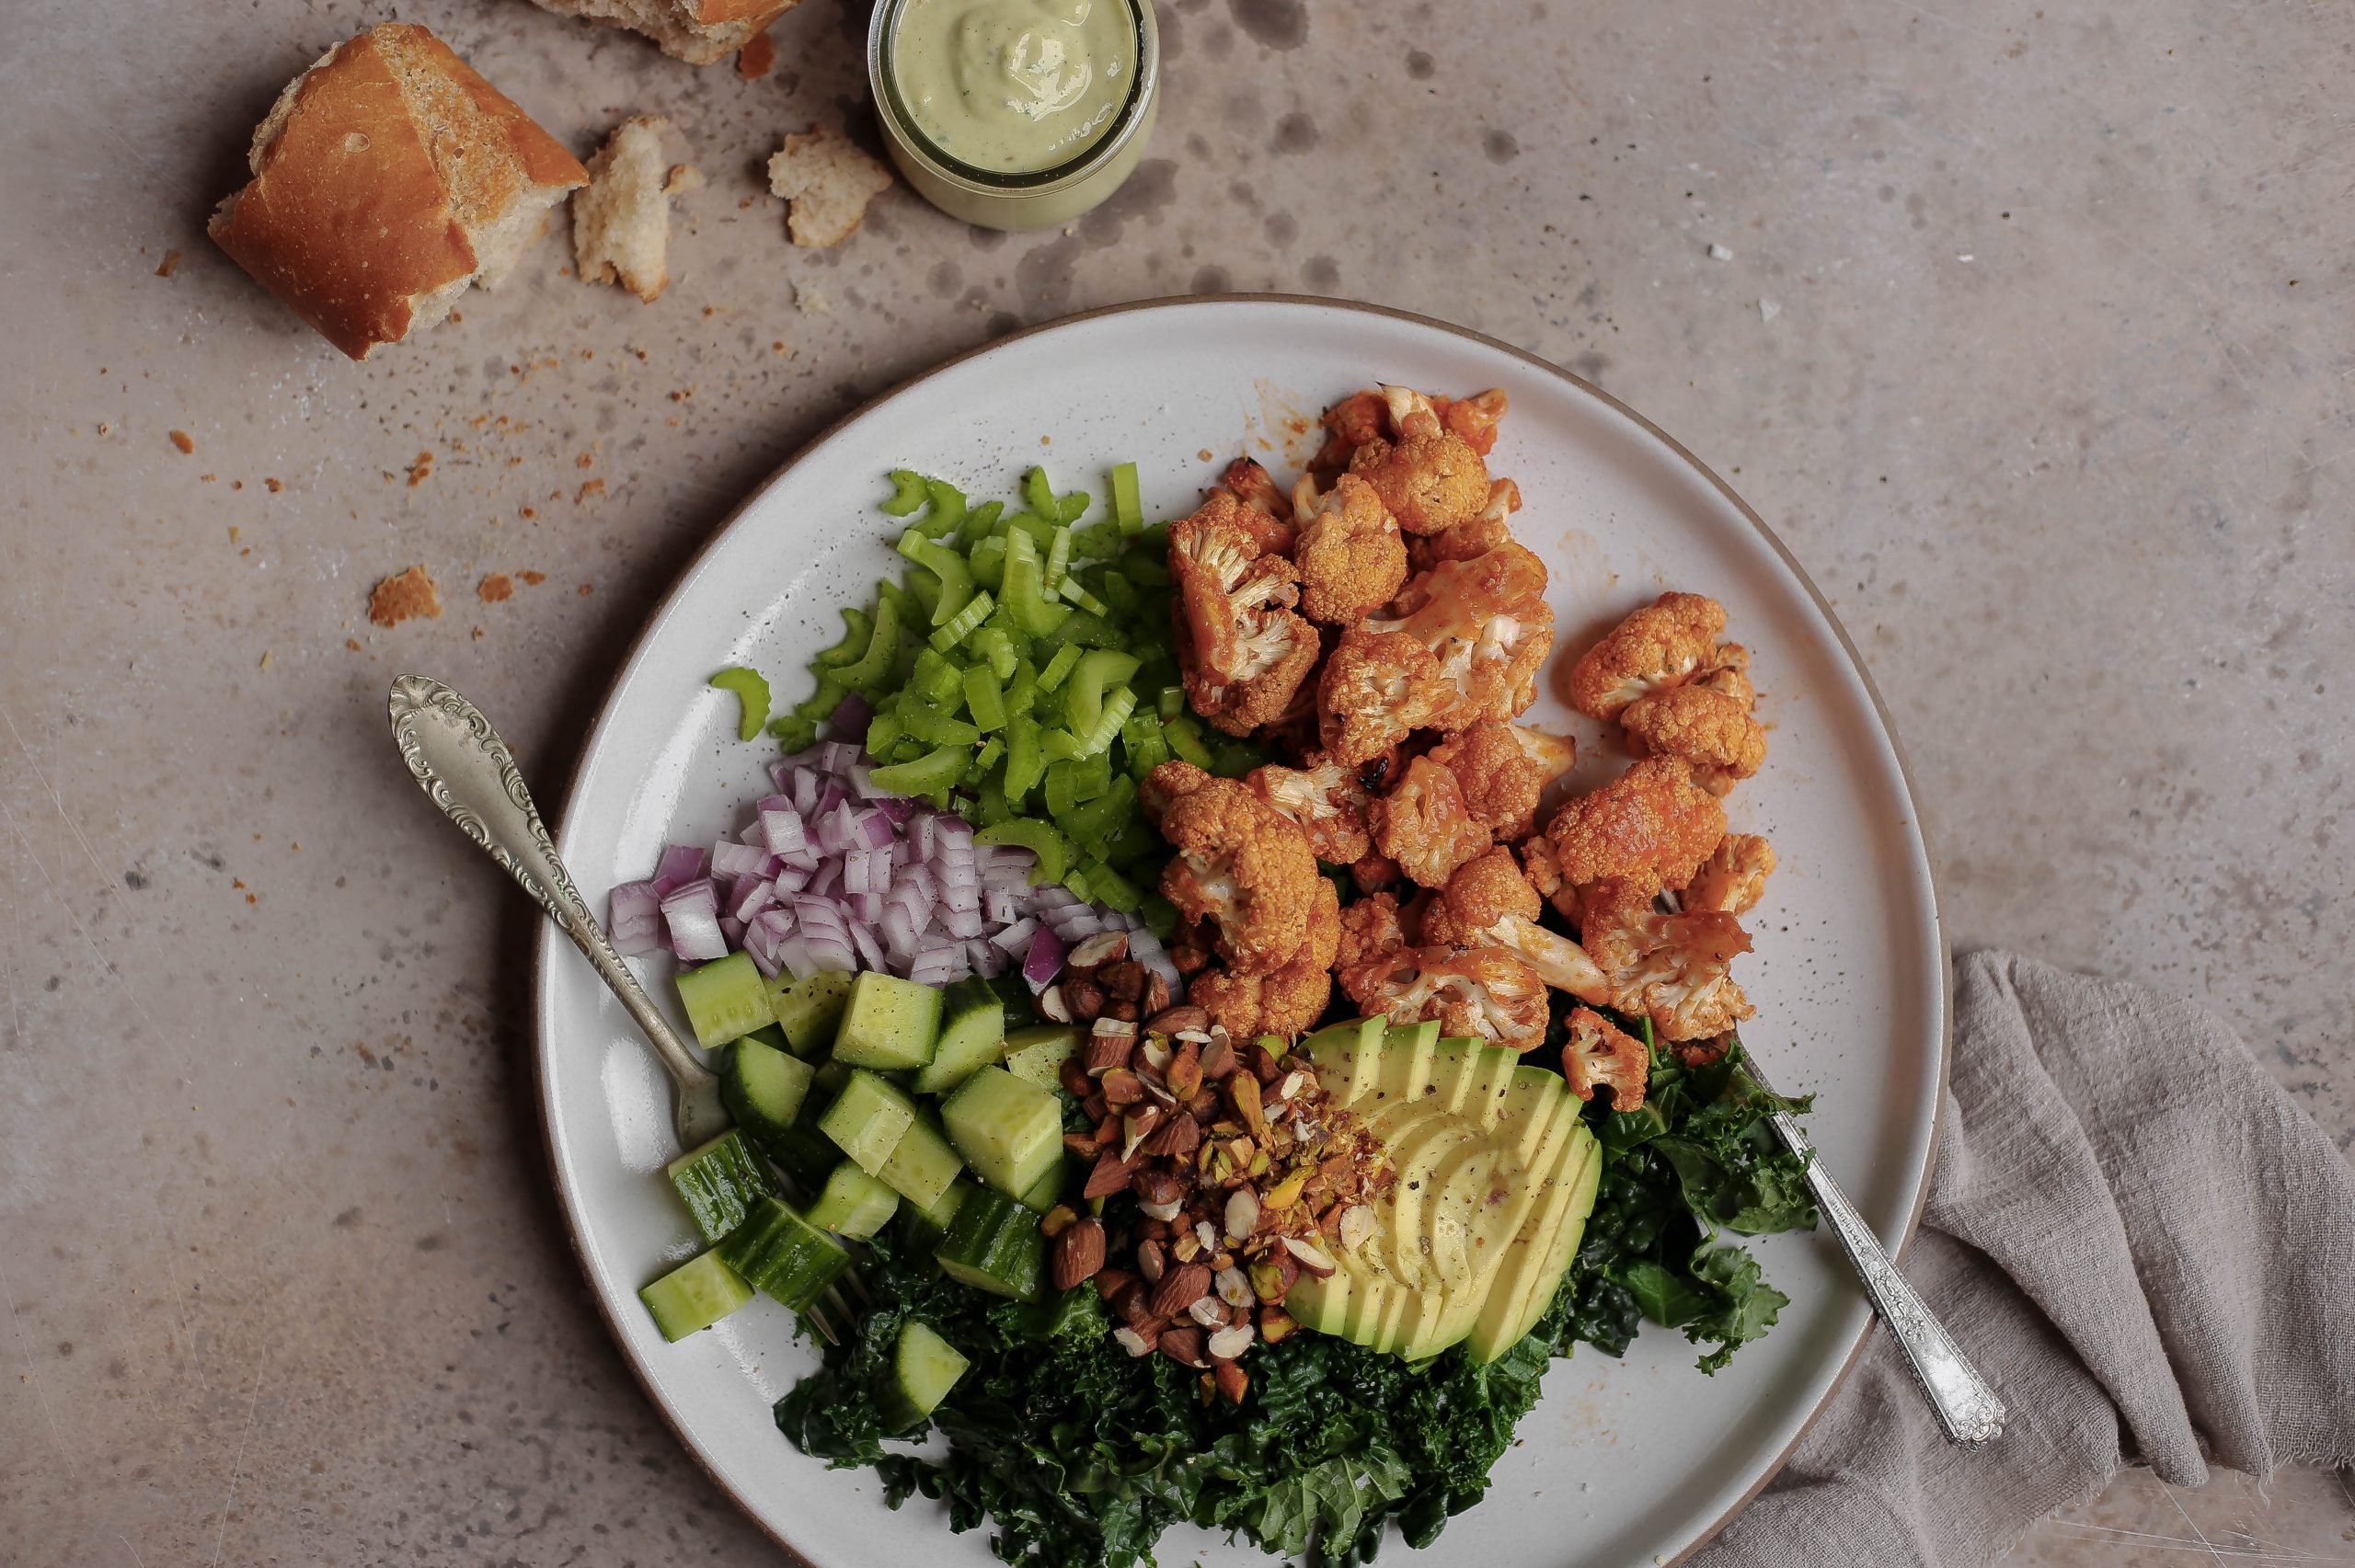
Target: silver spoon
x=467, y=770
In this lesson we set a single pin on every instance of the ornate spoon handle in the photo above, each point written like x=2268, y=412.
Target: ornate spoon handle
x=467, y=770
x=1965, y=1407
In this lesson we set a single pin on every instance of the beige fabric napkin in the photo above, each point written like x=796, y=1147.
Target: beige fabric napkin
x=2145, y=1246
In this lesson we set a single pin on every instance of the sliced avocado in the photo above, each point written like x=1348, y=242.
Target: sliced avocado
x=1529, y=1101
x=1493, y=1076
x=1446, y=1317
x=1406, y=1069
x=1368, y=1292
x=1406, y=1245
x=1540, y=1253
x=1347, y=1056
x=1451, y=1069
x=1321, y=1304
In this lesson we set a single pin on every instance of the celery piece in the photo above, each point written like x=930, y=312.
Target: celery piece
x=984, y=698
x=934, y=728
x=1154, y=540
x=937, y=680
x=1095, y=821
x=1113, y=588
x=1185, y=737
x=986, y=758
x=1065, y=661
x=752, y=691
x=1038, y=494
x=1062, y=791
x=944, y=508
x=1087, y=629
x=1076, y=882
x=1119, y=703
x=1136, y=841
x=955, y=577
x=1073, y=593
x=1097, y=541
x=988, y=562
x=907, y=492
x=1084, y=695
x=820, y=704
x=1059, y=746
x=935, y=769
x=1146, y=571
x=1025, y=590
x=962, y=625
x=854, y=640
x=1022, y=689
x=1095, y=776
x=1070, y=509
x=1171, y=702
x=907, y=748
x=922, y=590
x=1128, y=508
x=990, y=805
x=981, y=522
x=1041, y=838
x=1024, y=764
x=1146, y=746
x=874, y=667
x=1107, y=887
x=883, y=732
x=1058, y=560
x=994, y=647
x=1233, y=758
x=1040, y=529
x=793, y=733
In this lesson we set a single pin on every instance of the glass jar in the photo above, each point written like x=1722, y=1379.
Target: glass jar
x=999, y=199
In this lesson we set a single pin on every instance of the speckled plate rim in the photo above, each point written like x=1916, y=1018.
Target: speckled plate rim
x=547, y=944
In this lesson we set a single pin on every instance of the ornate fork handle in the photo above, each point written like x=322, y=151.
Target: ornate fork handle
x=1965, y=1407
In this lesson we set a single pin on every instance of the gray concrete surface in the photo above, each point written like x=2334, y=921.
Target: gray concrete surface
x=2033, y=341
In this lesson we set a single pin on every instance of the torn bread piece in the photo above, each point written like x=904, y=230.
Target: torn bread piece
x=829, y=182
x=621, y=219
x=697, y=31
x=387, y=180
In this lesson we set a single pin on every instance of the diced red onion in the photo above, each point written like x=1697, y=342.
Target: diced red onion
x=681, y=864
x=691, y=914
x=852, y=716
x=1044, y=961
x=780, y=824
x=937, y=965
x=751, y=896
x=829, y=877
x=1015, y=938
x=986, y=960
x=729, y=858
x=634, y=918
x=870, y=951
x=731, y=930
x=866, y=908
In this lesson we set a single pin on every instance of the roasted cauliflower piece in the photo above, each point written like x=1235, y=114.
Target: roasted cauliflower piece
x=1287, y=1001
x=1427, y=475
x=1165, y=784
x=1376, y=688
x=1503, y=769
x=1240, y=864
x=1656, y=648
x=1670, y=968
x=1350, y=555
x=1374, y=871
x=1652, y=826
x=1371, y=929
x=1487, y=624
x=1325, y=799
x=1241, y=650
x=1476, y=417
x=1349, y=424
x=1734, y=877
x=1485, y=992
x=1709, y=729
x=1477, y=536
x=1252, y=485
x=1488, y=903
x=1601, y=1055
x=1424, y=825
x=1727, y=672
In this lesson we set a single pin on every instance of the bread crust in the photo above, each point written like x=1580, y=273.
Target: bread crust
x=388, y=157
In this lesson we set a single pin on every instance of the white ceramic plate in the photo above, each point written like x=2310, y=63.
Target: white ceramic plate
x=1629, y=1462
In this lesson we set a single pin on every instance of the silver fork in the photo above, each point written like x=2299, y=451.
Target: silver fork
x=1965, y=1407
x=470, y=773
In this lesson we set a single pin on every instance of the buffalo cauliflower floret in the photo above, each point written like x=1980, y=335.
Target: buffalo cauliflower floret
x=1671, y=968
x=1376, y=688
x=1349, y=424
x=1476, y=417
x=1350, y=555
x=1424, y=825
x=1488, y=903
x=1267, y=510
x=1325, y=799
x=1374, y=871
x=1734, y=877
x=1487, y=624
x=1371, y=929
x=1427, y=476
x=1652, y=826
x=1727, y=672
x=1165, y=784
x=1476, y=536
x=1484, y=992
x=1601, y=1055
x=1241, y=649
x=1243, y=865
x=1287, y=1001
x=1710, y=731
x=1503, y=769
x=1656, y=648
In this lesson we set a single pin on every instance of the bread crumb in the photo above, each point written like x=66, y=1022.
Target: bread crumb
x=621, y=219
x=421, y=470
x=684, y=178
x=529, y=512
x=232, y=533
x=477, y=634
x=273, y=485
x=207, y=478
x=498, y=586
x=402, y=597
x=266, y=657
x=810, y=302
x=828, y=182
x=1204, y=454
x=456, y=318
x=586, y=460
x=587, y=589
x=592, y=487
x=170, y=264
x=180, y=438
x=105, y=430
x=236, y=484
x=351, y=643
x=757, y=57
x=533, y=579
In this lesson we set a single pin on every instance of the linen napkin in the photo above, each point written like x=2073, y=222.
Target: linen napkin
x=2145, y=1245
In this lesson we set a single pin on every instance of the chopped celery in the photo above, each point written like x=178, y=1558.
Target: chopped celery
x=1113, y=588
x=1084, y=696
x=1021, y=688
x=1128, y=508
x=993, y=647
x=984, y=698
x=944, y=508
x=937, y=678
x=1171, y=702
x=793, y=733
x=986, y=758
x=854, y=640
x=1092, y=821
x=1117, y=705
x=875, y=666
x=1160, y=916
x=907, y=492
x=1146, y=746
x=958, y=627
x=1039, y=494
x=1060, y=746
x=1186, y=739
x=955, y=577
x=1075, y=883
x=980, y=523
x=1085, y=628
x=751, y=699
x=1066, y=658
x=1074, y=594
x=883, y=732
x=1058, y=560
x=1233, y=758
x=821, y=703
x=936, y=727
x=1041, y=838
x=1023, y=762
x=937, y=770
x=1063, y=792
x=988, y=562
x=990, y=805
x=1107, y=887
x=1026, y=589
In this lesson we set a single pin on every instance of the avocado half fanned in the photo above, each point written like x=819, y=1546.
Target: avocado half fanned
x=1497, y=1176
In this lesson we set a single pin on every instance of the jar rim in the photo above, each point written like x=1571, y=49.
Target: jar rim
x=891, y=104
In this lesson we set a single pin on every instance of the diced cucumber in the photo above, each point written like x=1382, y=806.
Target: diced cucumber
x=1009, y=1130
x=854, y=1204
x=695, y=1295
x=890, y=1024
x=764, y=1089
x=867, y=1120
x=973, y=1033
x=922, y=1163
x=806, y=1155
x=725, y=998
x=924, y=1367
x=771, y=1037
x=810, y=1008
x=1037, y=1054
x=995, y=1245
x=719, y=1182
x=784, y=1256
x=1048, y=1190
x=924, y=1227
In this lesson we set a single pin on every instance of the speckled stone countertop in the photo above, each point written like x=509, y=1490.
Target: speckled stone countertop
x=2029, y=328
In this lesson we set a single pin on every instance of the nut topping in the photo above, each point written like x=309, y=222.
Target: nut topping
x=1209, y=1313
x=1357, y=1226
x=1133, y=1342
x=1151, y=1262
x=1183, y=1345
x=1242, y=1213
x=1079, y=1253
x=1312, y=1258
x=1231, y=1342
x=1104, y=947
x=1053, y=1006
x=1179, y=1289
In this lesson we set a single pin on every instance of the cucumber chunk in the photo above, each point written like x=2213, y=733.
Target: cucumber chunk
x=853, y=1204
x=868, y=1119
x=1048, y=1190
x=810, y=1008
x=764, y=1089
x=725, y=998
x=889, y=1023
x=973, y=1033
x=719, y=1182
x=924, y=1367
x=995, y=1245
x=925, y=1226
x=695, y=1295
x=783, y=1255
x=922, y=1163
x=1037, y=1054
x=1010, y=1131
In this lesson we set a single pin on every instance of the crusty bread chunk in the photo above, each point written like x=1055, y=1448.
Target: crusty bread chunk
x=621, y=219
x=387, y=179
x=829, y=182
x=697, y=31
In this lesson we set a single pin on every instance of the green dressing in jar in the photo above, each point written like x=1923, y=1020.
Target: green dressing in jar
x=1013, y=86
